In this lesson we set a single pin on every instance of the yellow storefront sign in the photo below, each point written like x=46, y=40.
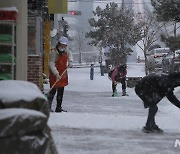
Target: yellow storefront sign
x=57, y=6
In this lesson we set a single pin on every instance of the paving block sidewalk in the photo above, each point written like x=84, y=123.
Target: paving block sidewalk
x=78, y=139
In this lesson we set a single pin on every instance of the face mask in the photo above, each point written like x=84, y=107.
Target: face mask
x=61, y=49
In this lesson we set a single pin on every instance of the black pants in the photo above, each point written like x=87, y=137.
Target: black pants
x=59, y=98
x=151, y=116
x=148, y=103
x=122, y=81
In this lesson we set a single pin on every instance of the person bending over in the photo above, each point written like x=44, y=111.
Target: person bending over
x=151, y=89
x=119, y=75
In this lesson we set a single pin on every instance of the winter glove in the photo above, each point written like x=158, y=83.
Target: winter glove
x=58, y=77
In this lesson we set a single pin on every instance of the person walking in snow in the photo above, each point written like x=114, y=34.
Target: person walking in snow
x=119, y=75
x=60, y=59
x=92, y=72
x=151, y=89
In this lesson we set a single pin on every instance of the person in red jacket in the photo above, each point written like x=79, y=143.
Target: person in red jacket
x=60, y=58
x=119, y=75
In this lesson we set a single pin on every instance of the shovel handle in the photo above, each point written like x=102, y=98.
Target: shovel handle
x=57, y=80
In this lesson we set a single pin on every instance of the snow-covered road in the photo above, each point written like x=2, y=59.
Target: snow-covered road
x=97, y=123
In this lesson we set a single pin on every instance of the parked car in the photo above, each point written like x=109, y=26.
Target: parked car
x=171, y=62
x=155, y=56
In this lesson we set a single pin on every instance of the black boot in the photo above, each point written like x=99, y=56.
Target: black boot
x=59, y=109
x=152, y=129
x=151, y=124
x=59, y=100
x=59, y=104
x=124, y=92
x=156, y=129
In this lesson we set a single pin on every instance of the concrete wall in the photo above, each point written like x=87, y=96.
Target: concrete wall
x=21, y=36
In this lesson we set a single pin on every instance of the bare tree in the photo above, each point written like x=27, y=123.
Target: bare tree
x=151, y=30
x=80, y=42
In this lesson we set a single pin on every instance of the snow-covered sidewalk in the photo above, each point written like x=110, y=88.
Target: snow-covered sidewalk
x=97, y=123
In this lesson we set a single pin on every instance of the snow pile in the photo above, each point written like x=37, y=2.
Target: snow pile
x=9, y=9
x=22, y=94
x=24, y=114
x=12, y=90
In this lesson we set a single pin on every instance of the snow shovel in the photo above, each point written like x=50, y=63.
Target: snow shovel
x=55, y=83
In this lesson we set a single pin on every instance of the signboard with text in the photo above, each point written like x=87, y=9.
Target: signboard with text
x=57, y=6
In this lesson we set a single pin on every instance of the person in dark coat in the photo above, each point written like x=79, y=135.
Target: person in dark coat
x=119, y=76
x=151, y=89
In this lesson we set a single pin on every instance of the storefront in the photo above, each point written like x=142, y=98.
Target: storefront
x=14, y=39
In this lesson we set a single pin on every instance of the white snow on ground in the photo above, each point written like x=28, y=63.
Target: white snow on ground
x=80, y=82
x=133, y=119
